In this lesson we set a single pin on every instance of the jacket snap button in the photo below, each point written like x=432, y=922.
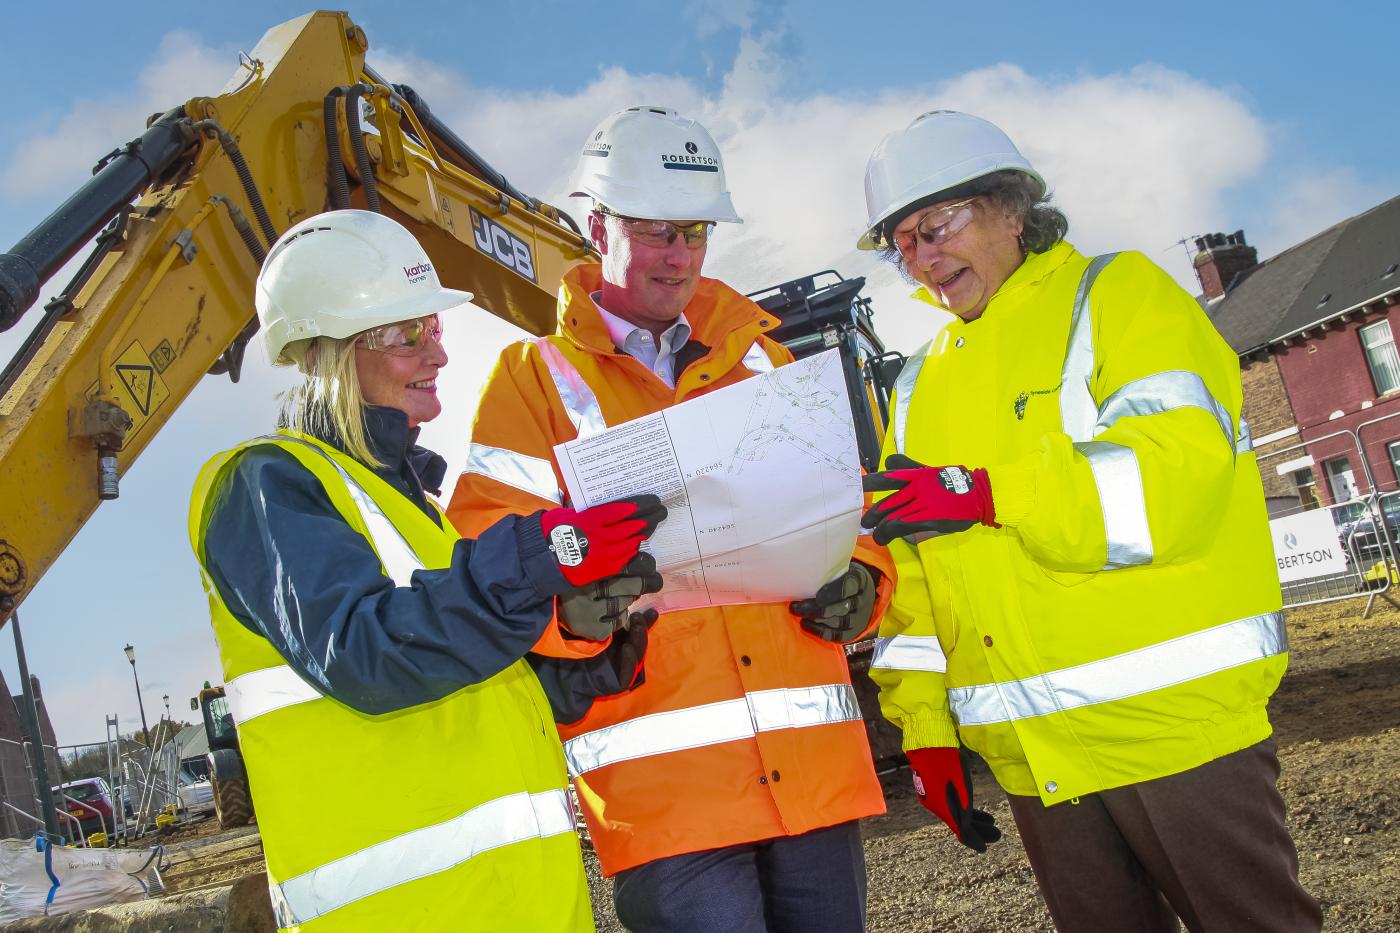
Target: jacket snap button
x=987, y=640
x=1051, y=787
x=746, y=660
x=958, y=342
x=777, y=776
x=763, y=779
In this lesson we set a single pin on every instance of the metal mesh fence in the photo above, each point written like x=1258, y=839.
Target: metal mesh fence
x=1361, y=560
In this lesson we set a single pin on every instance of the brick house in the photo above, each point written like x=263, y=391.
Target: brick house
x=1315, y=328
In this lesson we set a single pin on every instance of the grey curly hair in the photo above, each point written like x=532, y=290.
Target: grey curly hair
x=1016, y=194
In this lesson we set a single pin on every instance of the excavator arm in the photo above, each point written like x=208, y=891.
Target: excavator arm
x=183, y=217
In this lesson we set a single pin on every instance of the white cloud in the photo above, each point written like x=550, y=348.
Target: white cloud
x=1305, y=205
x=57, y=161
x=1137, y=159
x=744, y=15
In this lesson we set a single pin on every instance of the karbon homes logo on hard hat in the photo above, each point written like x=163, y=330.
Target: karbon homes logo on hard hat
x=691, y=162
x=418, y=273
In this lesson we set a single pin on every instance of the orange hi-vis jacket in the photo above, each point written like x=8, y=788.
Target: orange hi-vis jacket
x=746, y=727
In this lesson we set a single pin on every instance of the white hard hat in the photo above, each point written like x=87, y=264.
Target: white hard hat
x=653, y=163
x=939, y=151
x=342, y=272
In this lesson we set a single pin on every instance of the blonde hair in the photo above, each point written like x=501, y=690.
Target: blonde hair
x=329, y=402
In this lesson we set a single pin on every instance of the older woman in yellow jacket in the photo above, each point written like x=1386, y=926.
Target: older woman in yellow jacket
x=1087, y=595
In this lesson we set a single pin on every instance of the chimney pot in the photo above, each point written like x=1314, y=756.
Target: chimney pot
x=1221, y=259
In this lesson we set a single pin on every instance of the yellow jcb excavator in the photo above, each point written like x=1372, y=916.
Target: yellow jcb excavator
x=166, y=295
x=182, y=217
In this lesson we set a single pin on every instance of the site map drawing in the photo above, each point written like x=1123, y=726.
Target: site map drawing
x=761, y=480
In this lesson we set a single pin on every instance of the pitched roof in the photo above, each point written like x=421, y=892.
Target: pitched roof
x=1338, y=270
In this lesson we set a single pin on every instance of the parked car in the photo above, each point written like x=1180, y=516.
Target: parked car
x=1360, y=535
x=90, y=801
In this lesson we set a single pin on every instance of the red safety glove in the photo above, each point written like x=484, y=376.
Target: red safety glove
x=598, y=542
x=927, y=500
x=945, y=789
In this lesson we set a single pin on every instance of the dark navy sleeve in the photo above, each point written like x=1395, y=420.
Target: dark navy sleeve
x=291, y=569
x=572, y=684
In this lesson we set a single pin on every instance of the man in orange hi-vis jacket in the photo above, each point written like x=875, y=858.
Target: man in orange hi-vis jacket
x=723, y=783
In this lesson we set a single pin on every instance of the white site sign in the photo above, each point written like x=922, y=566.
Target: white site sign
x=1306, y=545
x=761, y=480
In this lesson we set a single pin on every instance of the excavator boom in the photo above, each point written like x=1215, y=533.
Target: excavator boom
x=183, y=217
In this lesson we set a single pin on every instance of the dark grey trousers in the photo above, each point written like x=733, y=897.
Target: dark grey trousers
x=813, y=883
x=1209, y=846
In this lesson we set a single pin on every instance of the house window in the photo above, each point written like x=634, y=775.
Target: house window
x=1393, y=451
x=1307, y=489
x=1381, y=356
x=1340, y=479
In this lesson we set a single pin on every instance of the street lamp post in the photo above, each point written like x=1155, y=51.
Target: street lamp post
x=145, y=732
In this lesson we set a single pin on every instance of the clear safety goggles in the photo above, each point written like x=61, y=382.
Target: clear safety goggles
x=404, y=338
x=935, y=227
x=664, y=232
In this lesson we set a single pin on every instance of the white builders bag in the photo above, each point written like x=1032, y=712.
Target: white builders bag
x=37, y=879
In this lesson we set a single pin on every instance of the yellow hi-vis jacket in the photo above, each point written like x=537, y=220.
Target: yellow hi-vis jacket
x=451, y=815
x=1124, y=623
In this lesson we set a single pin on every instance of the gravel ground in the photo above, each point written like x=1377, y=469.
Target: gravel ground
x=1337, y=722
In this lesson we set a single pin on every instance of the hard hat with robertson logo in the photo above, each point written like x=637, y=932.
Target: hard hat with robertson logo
x=653, y=163
x=343, y=272
x=940, y=151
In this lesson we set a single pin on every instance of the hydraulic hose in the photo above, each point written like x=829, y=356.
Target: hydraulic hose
x=245, y=178
x=336, y=183
x=443, y=133
x=230, y=362
x=118, y=179
x=245, y=229
x=357, y=143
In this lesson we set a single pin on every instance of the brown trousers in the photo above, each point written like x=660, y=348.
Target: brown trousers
x=1209, y=846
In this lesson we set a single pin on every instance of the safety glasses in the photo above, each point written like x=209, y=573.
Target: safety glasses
x=936, y=227
x=664, y=232
x=404, y=338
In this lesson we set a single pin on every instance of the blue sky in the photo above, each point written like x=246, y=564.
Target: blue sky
x=1152, y=123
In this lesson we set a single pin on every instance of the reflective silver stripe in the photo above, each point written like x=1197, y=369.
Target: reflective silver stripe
x=422, y=852
x=1155, y=667
x=711, y=724
x=395, y=553
x=580, y=403
x=757, y=360
x=1124, y=506
x=1168, y=391
x=904, y=394
x=257, y=692
x=522, y=471
x=1244, y=441
x=1078, y=412
x=910, y=653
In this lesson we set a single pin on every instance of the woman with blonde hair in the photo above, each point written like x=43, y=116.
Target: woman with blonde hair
x=401, y=754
